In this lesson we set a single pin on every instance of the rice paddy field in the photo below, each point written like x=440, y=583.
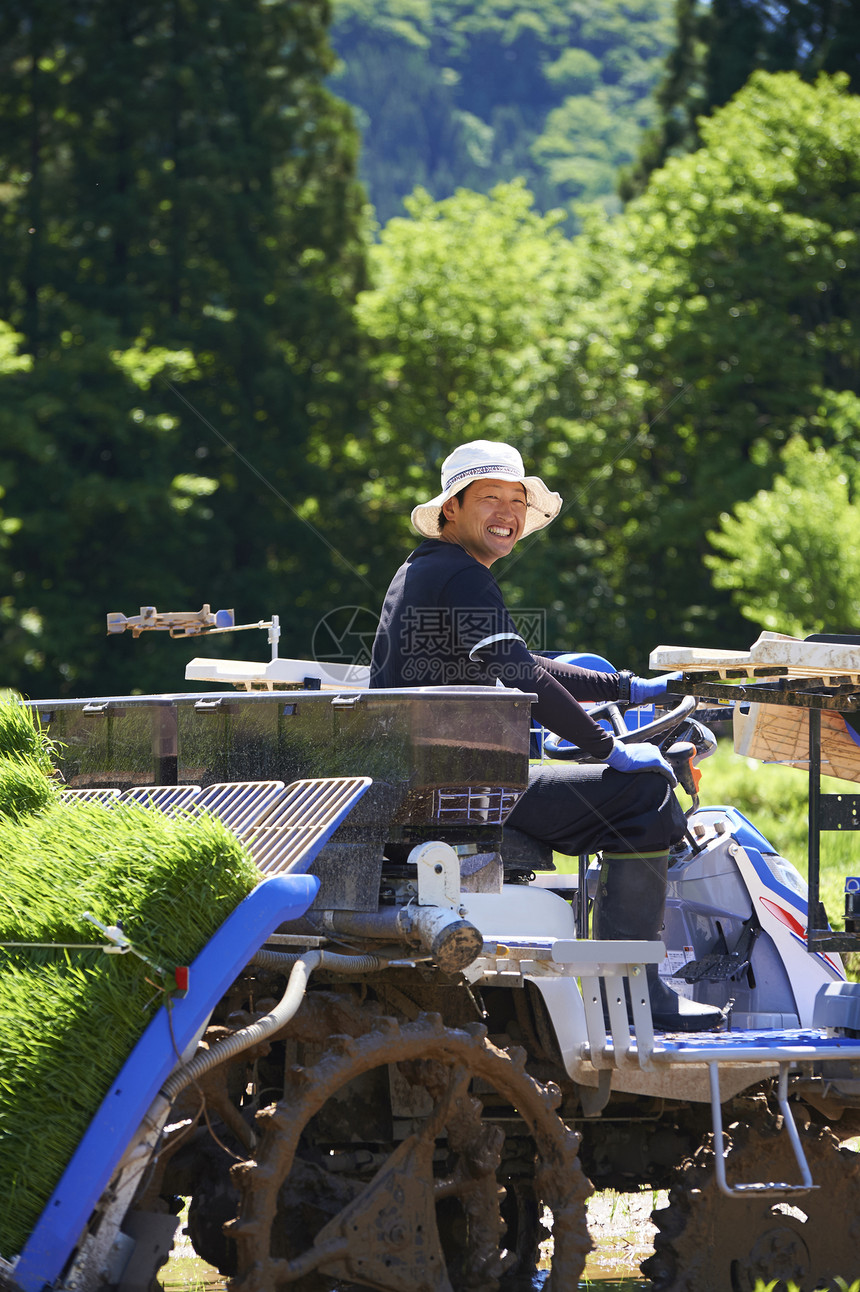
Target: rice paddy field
x=620, y=1227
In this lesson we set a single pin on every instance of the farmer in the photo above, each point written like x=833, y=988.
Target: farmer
x=444, y=623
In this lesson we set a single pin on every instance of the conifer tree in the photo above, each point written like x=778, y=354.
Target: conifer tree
x=720, y=43
x=177, y=187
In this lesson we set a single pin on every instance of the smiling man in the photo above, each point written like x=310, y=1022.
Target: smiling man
x=444, y=622
x=487, y=519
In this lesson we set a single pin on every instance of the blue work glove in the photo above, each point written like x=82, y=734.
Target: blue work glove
x=645, y=689
x=641, y=757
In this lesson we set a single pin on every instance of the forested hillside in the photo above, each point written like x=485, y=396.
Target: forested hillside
x=219, y=383
x=717, y=46
x=467, y=93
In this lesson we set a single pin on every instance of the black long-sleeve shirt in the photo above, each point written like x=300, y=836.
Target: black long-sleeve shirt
x=444, y=622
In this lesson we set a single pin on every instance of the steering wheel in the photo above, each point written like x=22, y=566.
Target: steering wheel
x=655, y=731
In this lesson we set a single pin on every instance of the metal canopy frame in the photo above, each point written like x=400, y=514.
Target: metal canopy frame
x=825, y=811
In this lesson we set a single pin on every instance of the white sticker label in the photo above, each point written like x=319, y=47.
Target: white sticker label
x=676, y=960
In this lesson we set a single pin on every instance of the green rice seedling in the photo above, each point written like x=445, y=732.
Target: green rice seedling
x=22, y=734
x=775, y=1285
x=24, y=788
x=72, y=1015
x=27, y=778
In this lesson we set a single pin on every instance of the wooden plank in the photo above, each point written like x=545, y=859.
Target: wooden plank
x=770, y=655
x=780, y=734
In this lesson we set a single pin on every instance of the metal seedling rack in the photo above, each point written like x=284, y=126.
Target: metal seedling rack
x=814, y=694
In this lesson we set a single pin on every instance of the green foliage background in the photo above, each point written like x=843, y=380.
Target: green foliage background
x=222, y=382
x=809, y=518
x=178, y=208
x=455, y=94
x=717, y=46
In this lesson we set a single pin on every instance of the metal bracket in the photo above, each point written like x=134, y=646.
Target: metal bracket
x=179, y=623
x=763, y=1188
x=614, y=990
x=438, y=874
x=593, y=1099
x=840, y=811
x=190, y=623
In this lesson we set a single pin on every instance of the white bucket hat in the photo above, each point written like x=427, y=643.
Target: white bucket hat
x=479, y=460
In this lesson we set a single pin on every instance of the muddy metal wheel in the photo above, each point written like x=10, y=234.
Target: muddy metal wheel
x=708, y=1242
x=428, y=1216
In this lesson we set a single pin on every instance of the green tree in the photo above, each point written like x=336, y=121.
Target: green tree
x=470, y=320
x=471, y=93
x=13, y=428
x=789, y=555
x=175, y=180
x=586, y=139
x=91, y=453
x=464, y=318
x=652, y=369
x=721, y=320
x=720, y=43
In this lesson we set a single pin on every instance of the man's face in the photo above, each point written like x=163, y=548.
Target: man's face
x=489, y=520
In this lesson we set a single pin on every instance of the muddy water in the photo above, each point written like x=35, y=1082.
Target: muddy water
x=623, y=1235
x=619, y=1224
x=187, y=1273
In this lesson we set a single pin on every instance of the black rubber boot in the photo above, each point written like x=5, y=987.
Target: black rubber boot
x=629, y=906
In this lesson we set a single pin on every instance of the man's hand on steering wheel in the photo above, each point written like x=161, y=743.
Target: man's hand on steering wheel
x=639, y=738
x=644, y=690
